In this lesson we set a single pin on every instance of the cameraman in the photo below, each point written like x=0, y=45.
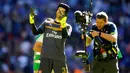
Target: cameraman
x=104, y=34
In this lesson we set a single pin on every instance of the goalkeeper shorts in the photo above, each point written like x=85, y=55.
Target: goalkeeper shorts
x=36, y=61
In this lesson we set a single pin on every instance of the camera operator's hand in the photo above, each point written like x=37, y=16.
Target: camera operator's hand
x=63, y=22
x=32, y=15
x=94, y=33
x=82, y=36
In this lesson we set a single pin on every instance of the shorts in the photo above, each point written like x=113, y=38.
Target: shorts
x=47, y=65
x=105, y=66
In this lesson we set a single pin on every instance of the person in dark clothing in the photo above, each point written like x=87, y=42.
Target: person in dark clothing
x=55, y=32
x=104, y=34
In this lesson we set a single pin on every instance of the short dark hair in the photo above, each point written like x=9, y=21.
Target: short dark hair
x=65, y=6
x=102, y=15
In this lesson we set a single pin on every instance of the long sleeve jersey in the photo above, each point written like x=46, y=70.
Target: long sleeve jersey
x=54, y=39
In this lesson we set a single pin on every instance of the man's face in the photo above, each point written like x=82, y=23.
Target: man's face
x=60, y=13
x=100, y=23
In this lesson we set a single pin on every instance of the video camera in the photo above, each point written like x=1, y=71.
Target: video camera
x=83, y=17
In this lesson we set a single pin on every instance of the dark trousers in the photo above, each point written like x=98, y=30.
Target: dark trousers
x=48, y=64
x=110, y=66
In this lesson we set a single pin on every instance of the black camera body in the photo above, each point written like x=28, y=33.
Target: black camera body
x=82, y=17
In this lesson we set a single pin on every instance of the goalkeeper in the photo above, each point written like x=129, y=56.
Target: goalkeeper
x=55, y=32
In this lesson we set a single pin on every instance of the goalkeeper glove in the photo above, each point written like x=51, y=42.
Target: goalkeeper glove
x=32, y=15
x=63, y=22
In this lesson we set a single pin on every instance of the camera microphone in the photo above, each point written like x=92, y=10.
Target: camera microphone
x=77, y=15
